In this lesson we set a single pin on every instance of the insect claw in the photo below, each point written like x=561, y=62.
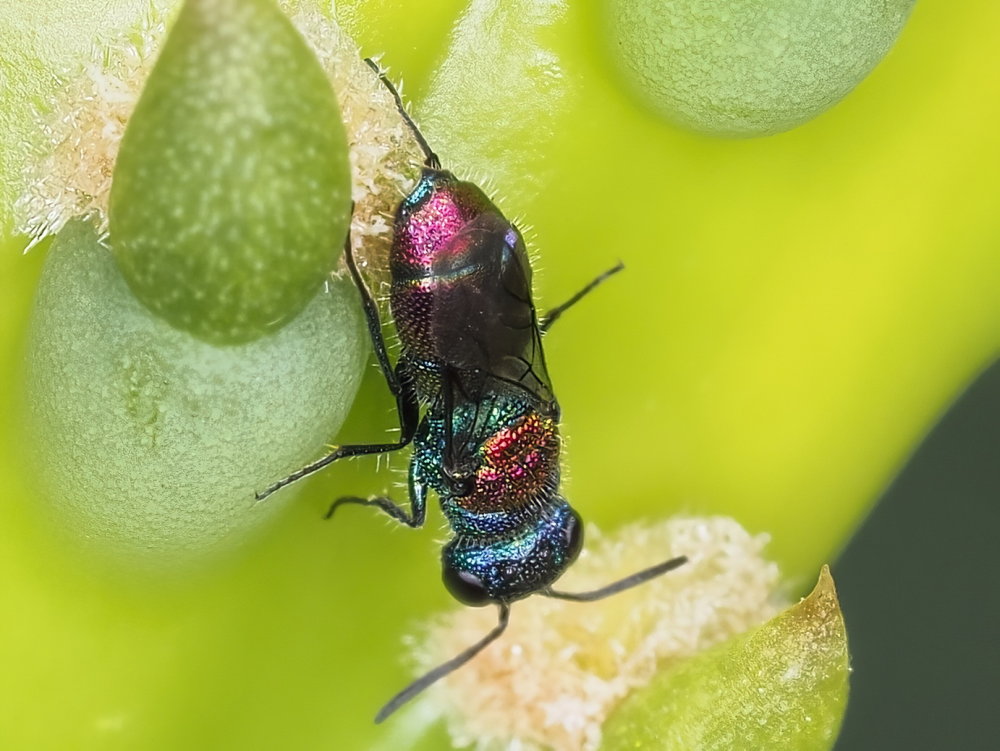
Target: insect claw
x=261, y=496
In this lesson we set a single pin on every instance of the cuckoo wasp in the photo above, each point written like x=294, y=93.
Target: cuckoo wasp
x=473, y=396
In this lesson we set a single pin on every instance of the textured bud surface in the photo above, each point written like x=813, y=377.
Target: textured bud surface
x=781, y=686
x=748, y=67
x=152, y=441
x=231, y=193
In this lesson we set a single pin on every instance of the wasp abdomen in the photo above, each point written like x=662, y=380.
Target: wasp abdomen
x=461, y=287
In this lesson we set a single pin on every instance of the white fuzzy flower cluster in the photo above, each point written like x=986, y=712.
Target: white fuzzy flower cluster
x=73, y=161
x=561, y=667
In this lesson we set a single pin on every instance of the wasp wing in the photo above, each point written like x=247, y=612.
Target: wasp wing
x=481, y=321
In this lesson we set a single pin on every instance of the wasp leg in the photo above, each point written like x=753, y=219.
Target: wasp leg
x=454, y=473
x=399, y=382
x=430, y=158
x=553, y=315
x=418, y=502
x=386, y=504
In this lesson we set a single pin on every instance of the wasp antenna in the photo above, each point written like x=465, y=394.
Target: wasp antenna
x=430, y=158
x=640, y=577
x=446, y=667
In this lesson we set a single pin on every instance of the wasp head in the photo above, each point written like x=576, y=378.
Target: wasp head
x=482, y=570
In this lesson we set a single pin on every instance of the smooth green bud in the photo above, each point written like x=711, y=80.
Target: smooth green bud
x=231, y=193
x=150, y=442
x=748, y=67
x=782, y=685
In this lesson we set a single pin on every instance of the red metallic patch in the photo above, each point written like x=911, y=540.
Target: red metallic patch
x=518, y=463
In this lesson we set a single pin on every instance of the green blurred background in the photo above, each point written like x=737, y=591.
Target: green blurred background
x=918, y=585
x=798, y=311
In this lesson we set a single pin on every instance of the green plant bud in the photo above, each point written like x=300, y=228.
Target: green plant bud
x=231, y=193
x=782, y=685
x=747, y=67
x=151, y=442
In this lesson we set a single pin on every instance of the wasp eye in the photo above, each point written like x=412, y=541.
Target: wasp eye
x=574, y=536
x=464, y=586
